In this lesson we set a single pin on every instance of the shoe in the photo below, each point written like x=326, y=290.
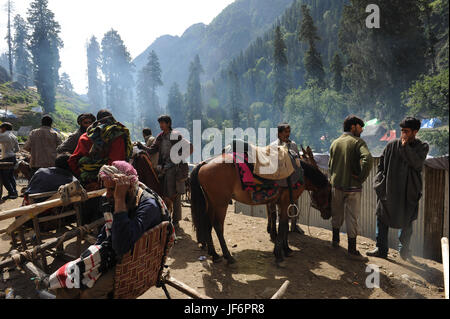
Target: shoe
x=353, y=253
x=377, y=253
x=336, y=238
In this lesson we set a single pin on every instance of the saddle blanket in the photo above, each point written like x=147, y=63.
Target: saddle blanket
x=260, y=190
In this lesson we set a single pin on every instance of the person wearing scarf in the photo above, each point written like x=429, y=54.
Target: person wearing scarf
x=84, y=121
x=104, y=142
x=134, y=209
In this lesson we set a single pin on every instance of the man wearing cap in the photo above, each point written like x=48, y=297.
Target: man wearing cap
x=42, y=144
x=69, y=146
x=398, y=185
x=10, y=146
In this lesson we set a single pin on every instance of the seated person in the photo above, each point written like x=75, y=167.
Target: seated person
x=50, y=179
x=135, y=211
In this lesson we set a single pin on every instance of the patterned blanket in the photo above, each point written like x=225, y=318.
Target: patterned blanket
x=261, y=190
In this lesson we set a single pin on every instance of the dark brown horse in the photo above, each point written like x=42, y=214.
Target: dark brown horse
x=147, y=175
x=215, y=183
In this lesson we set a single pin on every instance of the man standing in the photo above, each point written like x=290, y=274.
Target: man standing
x=149, y=140
x=350, y=164
x=284, y=133
x=398, y=185
x=172, y=188
x=69, y=145
x=42, y=144
x=10, y=146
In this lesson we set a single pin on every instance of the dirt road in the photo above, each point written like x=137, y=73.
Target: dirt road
x=315, y=270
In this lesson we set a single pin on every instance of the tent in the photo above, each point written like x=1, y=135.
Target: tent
x=432, y=123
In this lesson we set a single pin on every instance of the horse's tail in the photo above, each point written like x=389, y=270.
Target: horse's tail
x=200, y=218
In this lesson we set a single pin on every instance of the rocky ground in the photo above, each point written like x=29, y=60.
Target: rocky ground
x=315, y=271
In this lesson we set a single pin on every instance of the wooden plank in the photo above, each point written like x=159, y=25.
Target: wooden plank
x=41, y=207
x=280, y=293
x=444, y=248
x=41, y=195
x=59, y=216
x=184, y=288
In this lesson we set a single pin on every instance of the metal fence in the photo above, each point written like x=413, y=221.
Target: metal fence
x=368, y=220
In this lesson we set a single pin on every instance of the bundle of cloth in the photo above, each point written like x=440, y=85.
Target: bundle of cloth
x=102, y=133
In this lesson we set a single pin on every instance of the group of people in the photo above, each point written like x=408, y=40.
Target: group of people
x=98, y=155
x=398, y=184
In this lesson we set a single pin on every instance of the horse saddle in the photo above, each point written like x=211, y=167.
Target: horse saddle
x=272, y=162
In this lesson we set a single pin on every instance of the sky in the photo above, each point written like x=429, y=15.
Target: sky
x=139, y=23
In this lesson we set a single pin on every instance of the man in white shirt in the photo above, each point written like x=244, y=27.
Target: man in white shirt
x=284, y=133
x=10, y=146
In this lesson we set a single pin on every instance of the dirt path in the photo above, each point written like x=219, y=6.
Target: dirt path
x=315, y=270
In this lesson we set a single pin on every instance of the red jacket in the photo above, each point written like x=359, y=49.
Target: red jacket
x=116, y=152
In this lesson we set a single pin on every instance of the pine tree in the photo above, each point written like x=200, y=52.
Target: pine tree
x=118, y=71
x=175, y=106
x=95, y=85
x=9, y=39
x=194, y=103
x=65, y=83
x=149, y=80
x=21, y=55
x=279, y=73
x=44, y=45
x=312, y=59
x=382, y=63
x=337, y=69
x=235, y=99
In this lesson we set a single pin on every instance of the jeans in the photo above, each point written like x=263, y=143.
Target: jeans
x=7, y=176
x=404, y=236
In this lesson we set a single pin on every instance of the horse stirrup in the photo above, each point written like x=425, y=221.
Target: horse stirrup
x=296, y=210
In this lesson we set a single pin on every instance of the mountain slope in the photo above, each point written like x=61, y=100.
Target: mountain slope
x=229, y=33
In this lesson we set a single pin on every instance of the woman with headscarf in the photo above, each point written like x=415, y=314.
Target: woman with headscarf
x=84, y=121
x=134, y=210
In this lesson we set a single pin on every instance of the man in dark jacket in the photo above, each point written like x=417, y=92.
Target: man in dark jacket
x=350, y=165
x=167, y=169
x=69, y=145
x=398, y=185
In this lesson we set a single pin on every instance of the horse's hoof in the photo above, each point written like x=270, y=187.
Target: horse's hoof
x=231, y=261
x=217, y=259
x=281, y=264
x=288, y=253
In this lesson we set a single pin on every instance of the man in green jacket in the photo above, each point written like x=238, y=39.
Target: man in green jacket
x=350, y=164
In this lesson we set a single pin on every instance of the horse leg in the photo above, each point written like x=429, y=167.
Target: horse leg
x=272, y=221
x=285, y=220
x=219, y=228
x=211, y=250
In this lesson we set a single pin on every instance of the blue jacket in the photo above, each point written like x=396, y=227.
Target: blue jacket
x=128, y=227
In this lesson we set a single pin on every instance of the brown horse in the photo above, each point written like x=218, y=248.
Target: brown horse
x=215, y=183
x=147, y=175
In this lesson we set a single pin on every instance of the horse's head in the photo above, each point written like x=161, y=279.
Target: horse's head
x=321, y=200
x=319, y=186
